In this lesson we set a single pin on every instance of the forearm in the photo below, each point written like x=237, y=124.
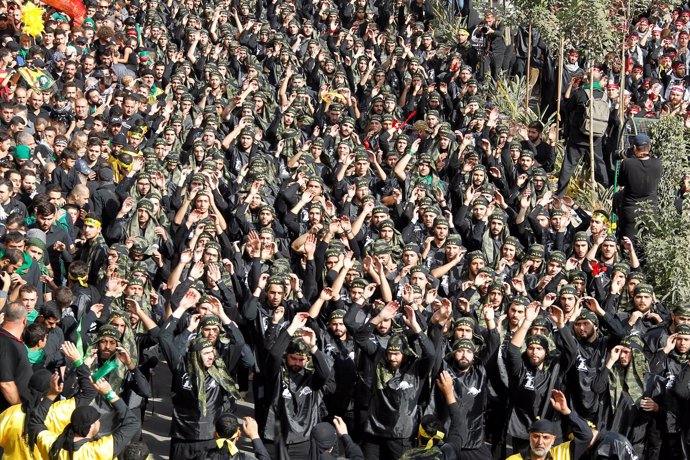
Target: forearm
x=10, y=392
x=357, y=224
x=386, y=293
x=582, y=434
x=441, y=270
x=182, y=212
x=339, y=281
x=129, y=427
x=518, y=338
x=400, y=166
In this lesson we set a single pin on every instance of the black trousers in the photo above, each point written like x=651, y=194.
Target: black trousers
x=574, y=152
x=674, y=446
x=483, y=453
x=376, y=447
x=298, y=450
x=179, y=448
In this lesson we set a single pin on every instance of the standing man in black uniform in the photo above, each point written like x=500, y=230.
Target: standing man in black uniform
x=640, y=176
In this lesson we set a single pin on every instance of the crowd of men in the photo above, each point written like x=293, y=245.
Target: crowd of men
x=319, y=208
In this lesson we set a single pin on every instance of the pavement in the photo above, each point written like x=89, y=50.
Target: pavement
x=159, y=414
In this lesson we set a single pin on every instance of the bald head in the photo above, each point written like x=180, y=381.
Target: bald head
x=15, y=313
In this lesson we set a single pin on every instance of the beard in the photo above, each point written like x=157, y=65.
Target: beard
x=536, y=362
x=587, y=336
x=539, y=451
x=338, y=334
x=463, y=365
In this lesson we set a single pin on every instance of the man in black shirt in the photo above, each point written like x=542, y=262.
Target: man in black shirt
x=15, y=369
x=640, y=175
x=544, y=153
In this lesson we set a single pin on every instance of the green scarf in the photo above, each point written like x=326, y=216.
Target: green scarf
x=93, y=246
x=149, y=233
x=597, y=85
x=128, y=340
x=217, y=372
x=383, y=375
x=631, y=378
x=36, y=356
x=682, y=358
x=31, y=317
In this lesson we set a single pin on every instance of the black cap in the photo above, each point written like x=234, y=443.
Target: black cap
x=543, y=426
x=82, y=418
x=105, y=174
x=119, y=139
x=641, y=140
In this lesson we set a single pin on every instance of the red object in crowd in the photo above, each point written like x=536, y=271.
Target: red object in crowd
x=597, y=268
x=73, y=8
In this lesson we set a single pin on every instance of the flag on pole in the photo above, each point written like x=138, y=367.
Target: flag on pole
x=36, y=78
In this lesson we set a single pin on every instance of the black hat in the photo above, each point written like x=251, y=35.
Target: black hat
x=537, y=339
x=587, y=315
x=298, y=346
x=119, y=139
x=643, y=288
x=82, y=418
x=641, y=140
x=40, y=381
x=543, y=426
x=568, y=289
x=108, y=331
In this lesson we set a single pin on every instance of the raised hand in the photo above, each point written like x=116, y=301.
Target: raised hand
x=389, y=311
x=190, y=299
x=559, y=402
x=531, y=312
x=298, y=322
x=614, y=356
x=557, y=316
x=670, y=343
x=70, y=351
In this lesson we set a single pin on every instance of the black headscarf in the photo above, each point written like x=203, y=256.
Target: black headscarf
x=323, y=438
x=80, y=424
x=39, y=384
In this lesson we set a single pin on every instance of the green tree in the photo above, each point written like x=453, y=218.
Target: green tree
x=664, y=232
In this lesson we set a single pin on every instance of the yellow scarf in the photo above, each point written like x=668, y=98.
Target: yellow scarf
x=422, y=434
x=232, y=448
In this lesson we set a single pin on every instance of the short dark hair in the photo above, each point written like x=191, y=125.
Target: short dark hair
x=28, y=288
x=538, y=125
x=50, y=310
x=431, y=424
x=34, y=333
x=15, y=218
x=227, y=425
x=69, y=154
x=14, y=237
x=8, y=174
x=63, y=297
x=53, y=188
x=45, y=208
x=77, y=269
x=15, y=256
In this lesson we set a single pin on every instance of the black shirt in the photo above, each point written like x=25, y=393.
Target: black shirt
x=14, y=366
x=640, y=179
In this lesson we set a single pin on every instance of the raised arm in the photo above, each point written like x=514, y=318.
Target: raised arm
x=402, y=163
x=581, y=431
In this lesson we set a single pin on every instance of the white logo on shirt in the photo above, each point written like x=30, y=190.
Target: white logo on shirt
x=404, y=385
x=529, y=383
x=472, y=391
